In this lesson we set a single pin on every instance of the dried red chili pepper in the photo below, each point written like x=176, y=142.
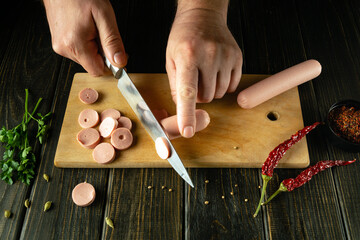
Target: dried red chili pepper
x=290, y=184
x=275, y=155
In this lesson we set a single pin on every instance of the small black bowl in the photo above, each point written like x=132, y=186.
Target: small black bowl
x=336, y=139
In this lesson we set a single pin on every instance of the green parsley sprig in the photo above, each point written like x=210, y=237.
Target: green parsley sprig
x=18, y=162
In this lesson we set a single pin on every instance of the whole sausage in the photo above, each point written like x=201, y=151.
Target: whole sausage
x=278, y=83
x=171, y=128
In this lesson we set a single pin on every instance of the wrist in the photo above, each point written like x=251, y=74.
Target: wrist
x=215, y=6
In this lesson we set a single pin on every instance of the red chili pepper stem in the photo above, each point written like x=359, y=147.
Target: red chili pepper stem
x=282, y=188
x=266, y=179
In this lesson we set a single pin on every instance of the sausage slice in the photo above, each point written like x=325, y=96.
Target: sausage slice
x=110, y=113
x=125, y=122
x=83, y=194
x=88, y=137
x=104, y=153
x=121, y=138
x=88, y=118
x=88, y=95
x=107, y=126
x=162, y=147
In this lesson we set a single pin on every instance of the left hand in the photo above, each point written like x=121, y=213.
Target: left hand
x=203, y=62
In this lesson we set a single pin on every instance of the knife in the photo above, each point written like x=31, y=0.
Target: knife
x=147, y=118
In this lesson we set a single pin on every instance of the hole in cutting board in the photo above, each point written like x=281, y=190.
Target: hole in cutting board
x=273, y=116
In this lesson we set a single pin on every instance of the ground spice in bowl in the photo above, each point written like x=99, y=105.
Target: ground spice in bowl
x=344, y=123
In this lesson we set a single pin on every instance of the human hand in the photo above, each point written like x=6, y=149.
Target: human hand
x=203, y=62
x=82, y=30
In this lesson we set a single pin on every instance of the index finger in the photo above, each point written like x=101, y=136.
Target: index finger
x=186, y=92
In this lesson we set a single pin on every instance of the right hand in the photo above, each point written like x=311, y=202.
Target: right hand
x=82, y=30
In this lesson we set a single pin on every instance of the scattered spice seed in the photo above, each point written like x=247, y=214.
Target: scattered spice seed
x=236, y=185
x=27, y=203
x=46, y=177
x=163, y=187
x=7, y=214
x=259, y=187
x=231, y=193
x=170, y=190
x=236, y=147
x=206, y=181
x=109, y=222
x=223, y=197
x=47, y=205
x=206, y=202
x=149, y=187
x=246, y=200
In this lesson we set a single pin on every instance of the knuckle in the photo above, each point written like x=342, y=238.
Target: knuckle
x=187, y=92
x=188, y=50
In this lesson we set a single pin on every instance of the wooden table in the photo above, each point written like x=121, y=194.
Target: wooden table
x=273, y=35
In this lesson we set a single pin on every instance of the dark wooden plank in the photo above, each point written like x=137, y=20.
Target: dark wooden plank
x=142, y=213
x=231, y=217
x=22, y=57
x=274, y=41
x=339, y=48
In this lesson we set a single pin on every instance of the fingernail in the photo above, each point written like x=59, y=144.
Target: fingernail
x=188, y=132
x=119, y=58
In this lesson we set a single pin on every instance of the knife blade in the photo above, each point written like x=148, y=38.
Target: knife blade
x=146, y=117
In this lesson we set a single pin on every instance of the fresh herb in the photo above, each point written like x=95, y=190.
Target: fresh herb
x=18, y=162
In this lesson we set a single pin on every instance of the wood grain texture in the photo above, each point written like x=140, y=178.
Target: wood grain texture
x=230, y=127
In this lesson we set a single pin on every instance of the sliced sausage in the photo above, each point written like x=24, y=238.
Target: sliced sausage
x=171, y=127
x=83, y=194
x=110, y=113
x=107, y=126
x=162, y=147
x=121, y=138
x=125, y=122
x=88, y=137
x=278, y=83
x=88, y=118
x=88, y=95
x=104, y=153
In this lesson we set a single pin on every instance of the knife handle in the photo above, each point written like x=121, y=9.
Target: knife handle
x=115, y=70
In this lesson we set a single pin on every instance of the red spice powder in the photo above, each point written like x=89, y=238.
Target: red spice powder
x=345, y=121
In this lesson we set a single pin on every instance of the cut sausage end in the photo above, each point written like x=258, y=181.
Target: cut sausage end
x=162, y=147
x=107, y=126
x=83, y=194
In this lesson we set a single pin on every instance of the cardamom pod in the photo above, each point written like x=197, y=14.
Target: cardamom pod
x=27, y=203
x=47, y=205
x=46, y=177
x=109, y=222
x=7, y=213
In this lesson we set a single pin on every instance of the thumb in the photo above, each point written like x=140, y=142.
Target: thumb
x=109, y=35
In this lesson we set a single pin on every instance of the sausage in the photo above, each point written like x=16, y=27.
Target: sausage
x=110, y=113
x=83, y=194
x=107, y=126
x=121, y=138
x=104, y=153
x=171, y=128
x=160, y=114
x=88, y=95
x=88, y=118
x=278, y=83
x=162, y=147
x=125, y=122
x=88, y=137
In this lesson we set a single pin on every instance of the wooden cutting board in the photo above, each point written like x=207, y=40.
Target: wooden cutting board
x=234, y=138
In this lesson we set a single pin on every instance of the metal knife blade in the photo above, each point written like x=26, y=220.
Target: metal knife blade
x=143, y=112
